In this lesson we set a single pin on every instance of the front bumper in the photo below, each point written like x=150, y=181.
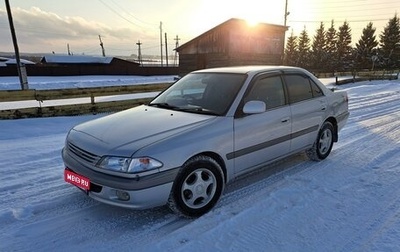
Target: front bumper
x=139, y=199
x=144, y=192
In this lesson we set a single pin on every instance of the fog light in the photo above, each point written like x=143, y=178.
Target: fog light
x=122, y=195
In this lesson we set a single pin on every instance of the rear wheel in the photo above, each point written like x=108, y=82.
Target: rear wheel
x=323, y=145
x=197, y=188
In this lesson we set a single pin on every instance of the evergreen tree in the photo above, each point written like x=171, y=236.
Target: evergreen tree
x=303, y=59
x=344, y=49
x=365, y=48
x=331, y=48
x=291, y=50
x=318, y=57
x=390, y=43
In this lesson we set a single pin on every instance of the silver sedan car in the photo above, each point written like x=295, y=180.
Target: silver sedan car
x=208, y=128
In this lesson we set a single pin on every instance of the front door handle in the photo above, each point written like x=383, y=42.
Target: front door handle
x=286, y=119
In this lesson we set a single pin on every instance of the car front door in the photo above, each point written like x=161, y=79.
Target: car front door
x=265, y=136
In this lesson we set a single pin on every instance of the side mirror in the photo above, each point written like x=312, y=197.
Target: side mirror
x=254, y=107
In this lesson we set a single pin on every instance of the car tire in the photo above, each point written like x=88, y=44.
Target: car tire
x=323, y=145
x=197, y=187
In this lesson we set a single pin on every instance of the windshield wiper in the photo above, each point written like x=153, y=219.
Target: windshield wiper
x=193, y=109
x=163, y=105
x=199, y=110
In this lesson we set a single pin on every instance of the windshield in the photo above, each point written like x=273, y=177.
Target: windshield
x=210, y=93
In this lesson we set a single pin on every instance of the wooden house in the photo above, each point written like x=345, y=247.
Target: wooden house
x=233, y=43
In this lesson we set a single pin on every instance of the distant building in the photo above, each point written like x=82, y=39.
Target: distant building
x=233, y=43
x=8, y=61
x=67, y=65
x=85, y=60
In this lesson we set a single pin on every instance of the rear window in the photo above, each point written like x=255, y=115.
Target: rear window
x=301, y=88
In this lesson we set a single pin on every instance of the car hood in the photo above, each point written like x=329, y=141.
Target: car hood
x=125, y=132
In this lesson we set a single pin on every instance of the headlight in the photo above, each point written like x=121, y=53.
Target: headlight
x=129, y=165
x=143, y=164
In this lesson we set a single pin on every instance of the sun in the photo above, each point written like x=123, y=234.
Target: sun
x=209, y=13
x=256, y=11
x=252, y=22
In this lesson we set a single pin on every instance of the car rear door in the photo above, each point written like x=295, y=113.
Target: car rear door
x=262, y=137
x=308, y=107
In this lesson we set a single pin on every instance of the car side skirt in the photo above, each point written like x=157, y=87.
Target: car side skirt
x=270, y=143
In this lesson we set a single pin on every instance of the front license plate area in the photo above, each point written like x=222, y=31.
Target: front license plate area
x=76, y=180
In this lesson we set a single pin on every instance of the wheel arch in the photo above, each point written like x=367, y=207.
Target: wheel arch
x=333, y=121
x=217, y=158
x=179, y=198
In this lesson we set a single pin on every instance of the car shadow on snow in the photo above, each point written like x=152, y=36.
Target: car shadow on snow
x=282, y=166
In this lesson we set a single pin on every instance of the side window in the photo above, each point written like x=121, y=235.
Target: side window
x=316, y=91
x=269, y=90
x=299, y=88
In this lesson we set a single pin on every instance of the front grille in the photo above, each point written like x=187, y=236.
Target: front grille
x=82, y=154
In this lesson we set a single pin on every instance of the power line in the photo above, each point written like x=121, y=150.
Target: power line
x=121, y=16
x=117, y=13
x=323, y=5
x=328, y=21
x=349, y=9
x=124, y=9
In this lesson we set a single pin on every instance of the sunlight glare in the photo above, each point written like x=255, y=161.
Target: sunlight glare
x=252, y=22
x=207, y=14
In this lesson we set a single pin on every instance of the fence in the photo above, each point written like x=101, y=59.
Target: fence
x=112, y=106
x=75, y=109
x=356, y=76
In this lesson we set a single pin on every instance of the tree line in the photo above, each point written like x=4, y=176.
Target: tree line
x=331, y=49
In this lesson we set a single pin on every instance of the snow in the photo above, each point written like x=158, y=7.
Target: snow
x=86, y=81
x=83, y=59
x=59, y=82
x=348, y=202
x=7, y=61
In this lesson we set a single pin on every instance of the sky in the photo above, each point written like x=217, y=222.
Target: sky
x=44, y=26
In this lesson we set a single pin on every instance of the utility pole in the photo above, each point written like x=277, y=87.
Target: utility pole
x=161, y=44
x=166, y=49
x=286, y=13
x=102, y=47
x=284, y=34
x=69, y=51
x=139, y=52
x=176, y=52
x=23, y=79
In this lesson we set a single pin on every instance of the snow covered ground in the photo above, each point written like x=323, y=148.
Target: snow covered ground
x=348, y=202
x=60, y=82
x=51, y=82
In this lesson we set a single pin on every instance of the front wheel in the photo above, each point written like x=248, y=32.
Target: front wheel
x=197, y=188
x=323, y=145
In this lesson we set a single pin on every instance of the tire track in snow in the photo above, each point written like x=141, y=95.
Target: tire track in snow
x=379, y=225
x=242, y=199
x=287, y=191
x=381, y=219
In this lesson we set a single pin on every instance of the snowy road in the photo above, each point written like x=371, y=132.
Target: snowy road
x=348, y=202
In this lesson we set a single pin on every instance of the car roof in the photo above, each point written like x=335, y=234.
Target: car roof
x=247, y=69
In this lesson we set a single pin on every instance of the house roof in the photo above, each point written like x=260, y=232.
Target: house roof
x=72, y=59
x=8, y=61
x=229, y=21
